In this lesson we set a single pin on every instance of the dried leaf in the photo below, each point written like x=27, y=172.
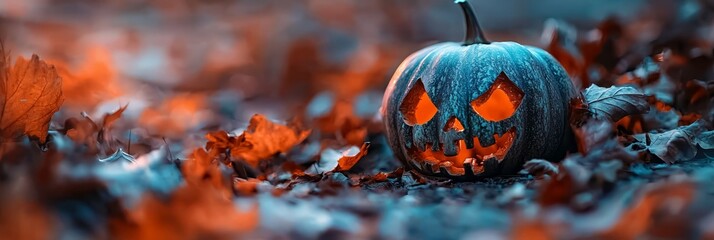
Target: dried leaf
x=176, y=115
x=31, y=94
x=191, y=212
x=670, y=146
x=579, y=112
x=678, y=144
x=200, y=168
x=93, y=80
x=332, y=160
x=383, y=176
x=349, y=160
x=246, y=187
x=263, y=139
x=107, y=121
x=219, y=141
x=593, y=134
x=540, y=167
x=110, y=118
x=654, y=198
x=614, y=103
x=705, y=140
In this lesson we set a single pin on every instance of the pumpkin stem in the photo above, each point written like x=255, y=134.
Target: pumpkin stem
x=474, y=34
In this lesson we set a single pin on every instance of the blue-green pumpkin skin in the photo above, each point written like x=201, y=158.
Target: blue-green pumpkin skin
x=453, y=75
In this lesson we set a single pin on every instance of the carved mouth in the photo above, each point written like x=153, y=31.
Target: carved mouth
x=467, y=160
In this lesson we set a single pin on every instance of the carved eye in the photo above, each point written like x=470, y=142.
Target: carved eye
x=417, y=108
x=500, y=101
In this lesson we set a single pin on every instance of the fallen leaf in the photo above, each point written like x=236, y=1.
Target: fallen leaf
x=540, y=167
x=107, y=121
x=654, y=200
x=90, y=81
x=191, y=212
x=332, y=160
x=705, y=140
x=670, y=146
x=31, y=93
x=614, y=103
x=176, y=115
x=592, y=134
x=246, y=187
x=579, y=111
x=82, y=131
x=677, y=144
x=201, y=167
x=219, y=141
x=110, y=118
x=263, y=139
x=349, y=159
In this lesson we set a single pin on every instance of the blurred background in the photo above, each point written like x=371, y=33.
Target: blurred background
x=190, y=64
x=186, y=69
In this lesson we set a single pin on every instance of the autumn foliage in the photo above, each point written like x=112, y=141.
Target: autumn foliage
x=32, y=93
x=259, y=120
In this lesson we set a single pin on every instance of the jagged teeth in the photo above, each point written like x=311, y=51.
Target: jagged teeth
x=468, y=166
x=428, y=167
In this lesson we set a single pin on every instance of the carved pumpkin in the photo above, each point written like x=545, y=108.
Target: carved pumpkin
x=477, y=108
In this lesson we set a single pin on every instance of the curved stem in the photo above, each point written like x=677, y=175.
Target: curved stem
x=474, y=34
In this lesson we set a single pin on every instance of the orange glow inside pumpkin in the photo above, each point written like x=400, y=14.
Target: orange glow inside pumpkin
x=500, y=101
x=477, y=154
x=417, y=107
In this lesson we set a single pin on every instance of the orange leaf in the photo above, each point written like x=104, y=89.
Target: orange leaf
x=110, y=118
x=332, y=160
x=191, y=212
x=348, y=161
x=263, y=139
x=31, y=92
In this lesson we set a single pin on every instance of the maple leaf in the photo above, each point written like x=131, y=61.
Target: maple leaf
x=614, y=103
x=263, y=139
x=200, y=167
x=31, y=93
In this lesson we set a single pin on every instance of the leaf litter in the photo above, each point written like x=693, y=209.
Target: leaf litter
x=208, y=153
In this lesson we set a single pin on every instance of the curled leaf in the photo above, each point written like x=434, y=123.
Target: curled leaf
x=332, y=160
x=614, y=103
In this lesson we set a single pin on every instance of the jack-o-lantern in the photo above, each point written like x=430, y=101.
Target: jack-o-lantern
x=477, y=108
